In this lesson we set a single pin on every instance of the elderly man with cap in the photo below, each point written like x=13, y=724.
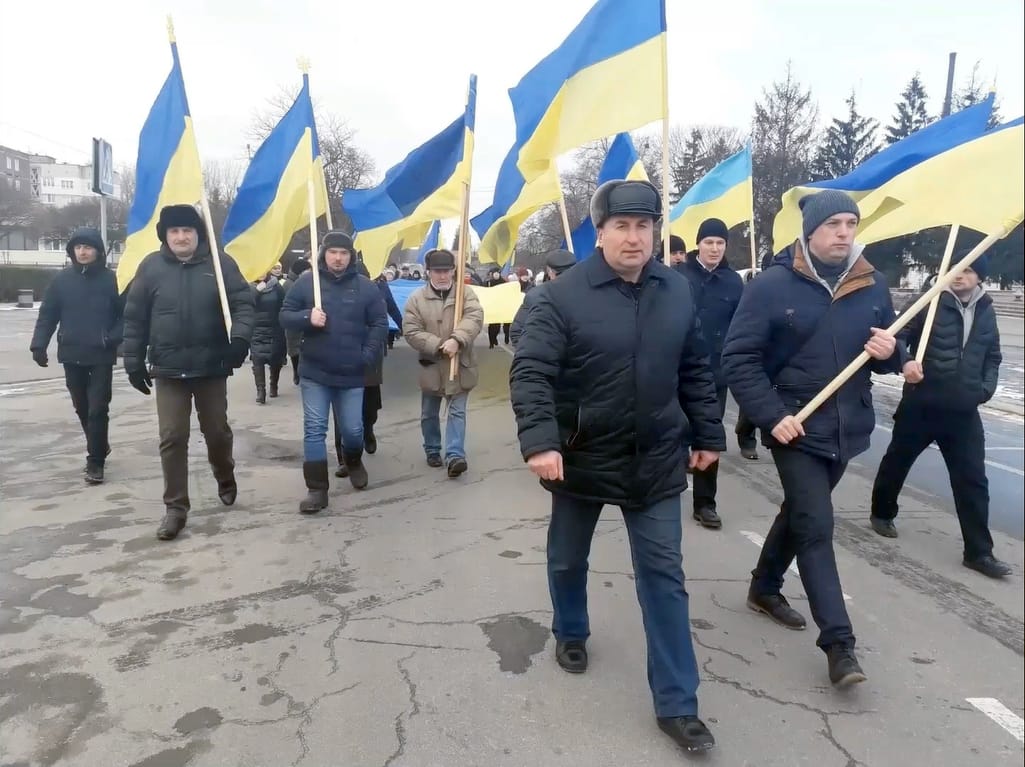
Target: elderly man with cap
x=173, y=318
x=797, y=327
x=677, y=252
x=556, y=262
x=717, y=290
x=429, y=327
x=605, y=409
x=942, y=395
x=83, y=300
x=342, y=339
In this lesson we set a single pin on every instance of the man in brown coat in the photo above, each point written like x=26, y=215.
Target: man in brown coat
x=429, y=326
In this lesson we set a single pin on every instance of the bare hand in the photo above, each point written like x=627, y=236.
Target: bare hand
x=913, y=372
x=450, y=347
x=317, y=318
x=702, y=459
x=881, y=345
x=547, y=465
x=787, y=430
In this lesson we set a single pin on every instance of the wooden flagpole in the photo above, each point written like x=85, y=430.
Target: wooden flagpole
x=311, y=203
x=565, y=221
x=665, y=147
x=930, y=316
x=460, y=286
x=304, y=67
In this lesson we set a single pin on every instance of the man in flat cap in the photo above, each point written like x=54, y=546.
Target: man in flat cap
x=173, y=321
x=604, y=409
x=556, y=262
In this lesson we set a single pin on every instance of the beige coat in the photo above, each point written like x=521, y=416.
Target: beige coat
x=427, y=324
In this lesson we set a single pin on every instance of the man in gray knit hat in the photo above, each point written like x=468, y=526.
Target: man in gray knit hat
x=797, y=326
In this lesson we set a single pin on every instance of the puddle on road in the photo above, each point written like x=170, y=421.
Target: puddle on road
x=516, y=639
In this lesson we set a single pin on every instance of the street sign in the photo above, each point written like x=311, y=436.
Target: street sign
x=103, y=168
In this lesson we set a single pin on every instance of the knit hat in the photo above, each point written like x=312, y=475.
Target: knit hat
x=186, y=216
x=86, y=235
x=816, y=208
x=336, y=239
x=713, y=227
x=676, y=244
x=440, y=259
x=624, y=198
x=980, y=266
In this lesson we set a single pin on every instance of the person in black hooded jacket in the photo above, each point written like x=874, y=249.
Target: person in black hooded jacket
x=941, y=401
x=83, y=301
x=603, y=405
x=268, y=345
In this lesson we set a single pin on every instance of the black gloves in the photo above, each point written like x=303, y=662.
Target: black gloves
x=39, y=355
x=238, y=351
x=140, y=380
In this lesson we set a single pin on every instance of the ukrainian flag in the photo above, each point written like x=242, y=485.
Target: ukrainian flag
x=515, y=201
x=430, y=242
x=621, y=161
x=607, y=76
x=725, y=192
x=427, y=185
x=273, y=200
x=979, y=184
x=945, y=134
x=167, y=170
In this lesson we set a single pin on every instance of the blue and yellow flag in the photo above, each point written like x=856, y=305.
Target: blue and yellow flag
x=273, y=200
x=945, y=134
x=427, y=185
x=430, y=242
x=167, y=170
x=979, y=184
x=515, y=201
x=725, y=192
x=620, y=162
x=607, y=76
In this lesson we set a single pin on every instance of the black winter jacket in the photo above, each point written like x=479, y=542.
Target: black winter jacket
x=268, y=346
x=84, y=301
x=716, y=294
x=173, y=315
x=609, y=374
x=958, y=376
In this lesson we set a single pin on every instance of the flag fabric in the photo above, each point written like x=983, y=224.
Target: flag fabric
x=430, y=241
x=515, y=201
x=725, y=192
x=621, y=162
x=426, y=185
x=167, y=170
x=607, y=76
x=872, y=174
x=272, y=202
x=499, y=303
x=979, y=184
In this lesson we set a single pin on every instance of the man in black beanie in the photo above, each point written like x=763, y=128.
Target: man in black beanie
x=797, y=327
x=942, y=395
x=677, y=251
x=173, y=320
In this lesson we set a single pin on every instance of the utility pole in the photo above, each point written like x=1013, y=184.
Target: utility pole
x=948, y=98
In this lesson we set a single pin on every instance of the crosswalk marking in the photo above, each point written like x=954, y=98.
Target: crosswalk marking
x=1002, y=715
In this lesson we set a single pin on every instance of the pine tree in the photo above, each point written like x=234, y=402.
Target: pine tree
x=912, y=114
x=972, y=93
x=847, y=144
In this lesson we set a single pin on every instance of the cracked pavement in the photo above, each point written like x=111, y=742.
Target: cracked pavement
x=407, y=625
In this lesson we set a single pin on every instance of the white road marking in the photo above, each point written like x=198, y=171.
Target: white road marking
x=991, y=464
x=759, y=541
x=1002, y=715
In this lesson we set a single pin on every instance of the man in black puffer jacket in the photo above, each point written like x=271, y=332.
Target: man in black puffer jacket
x=173, y=319
x=941, y=402
x=84, y=301
x=610, y=369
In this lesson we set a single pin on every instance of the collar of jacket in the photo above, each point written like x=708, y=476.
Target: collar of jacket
x=95, y=267
x=600, y=273
x=202, y=254
x=860, y=275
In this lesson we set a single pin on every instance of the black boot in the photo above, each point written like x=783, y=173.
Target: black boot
x=689, y=732
x=295, y=369
x=227, y=491
x=93, y=473
x=369, y=440
x=357, y=471
x=844, y=669
x=173, y=523
x=260, y=375
x=315, y=474
x=275, y=376
x=708, y=517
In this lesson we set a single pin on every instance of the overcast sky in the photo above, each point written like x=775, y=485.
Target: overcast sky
x=397, y=70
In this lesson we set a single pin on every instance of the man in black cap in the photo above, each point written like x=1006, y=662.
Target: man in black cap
x=717, y=290
x=797, y=327
x=173, y=319
x=556, y=262
x=605, y=408
x=83, y=300
x=941, y=402
x=342, y=340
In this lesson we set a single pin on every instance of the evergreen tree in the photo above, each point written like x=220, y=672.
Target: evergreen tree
x=847, y=144
x=912, y=114
x=973, y=92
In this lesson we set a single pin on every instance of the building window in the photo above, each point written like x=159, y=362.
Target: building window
x=8, y=163
x=17, y=185
x=17, y=164
x=67, y=184
x=48, y=181
x=48, y=197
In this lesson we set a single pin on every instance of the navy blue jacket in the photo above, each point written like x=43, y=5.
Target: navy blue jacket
x=790, y=337
x=716, y=295
x=339, y=353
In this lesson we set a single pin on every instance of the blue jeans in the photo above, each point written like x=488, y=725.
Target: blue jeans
x=655, y=532
x=318, y=400
x=455, y=428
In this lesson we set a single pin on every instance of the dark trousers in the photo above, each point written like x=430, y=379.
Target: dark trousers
x=706, y=483
x=90, y=389
x=493, y=330
x=371, y=406
x=655, y=533
x=174, y=415
x=962, y=443
x=746, y=432
x=804, y=529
